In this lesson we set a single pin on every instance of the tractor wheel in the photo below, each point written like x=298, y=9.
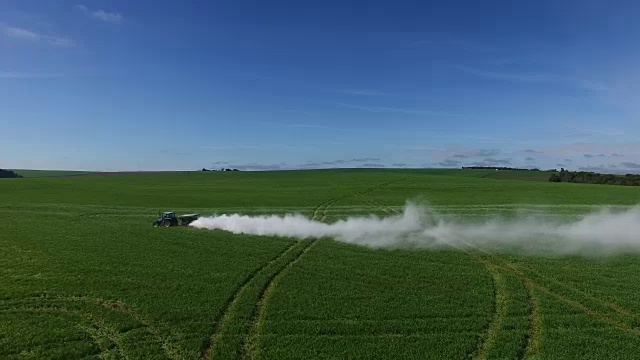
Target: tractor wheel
x=155, y=224
x=166, y=223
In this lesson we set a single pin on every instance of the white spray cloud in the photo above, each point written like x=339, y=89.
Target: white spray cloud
x=604, y=231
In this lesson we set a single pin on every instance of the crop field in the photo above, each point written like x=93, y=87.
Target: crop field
x=48, y=173
x=83, y=274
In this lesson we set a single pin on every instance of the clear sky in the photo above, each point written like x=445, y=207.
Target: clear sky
x=159, y=85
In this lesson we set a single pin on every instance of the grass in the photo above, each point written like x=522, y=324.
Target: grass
x=49, y=173
x=84, y=275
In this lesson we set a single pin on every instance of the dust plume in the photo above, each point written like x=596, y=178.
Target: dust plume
x=603, y=231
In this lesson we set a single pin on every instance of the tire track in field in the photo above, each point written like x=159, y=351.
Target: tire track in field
x=319, y=213
x=533, y=343
x=531, y=346
x=501, y=298
x=610, y=305
x=106, y=335
x=522, y=270
x=250, y=348
x=221, y=319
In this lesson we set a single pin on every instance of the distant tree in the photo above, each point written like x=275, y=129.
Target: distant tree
x=9, y=174
x=595, y=178
x=204, y=169
x=235, y=170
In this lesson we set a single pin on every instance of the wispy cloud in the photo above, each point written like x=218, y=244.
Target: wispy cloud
x=300, y=125
x=358, y=92
x=533, y=77
x=518, y=77
x=357, y=162
x=365, y=159
x=450, y=40
x=110, y=17
x=592, y=85
x=303, y=126
x=590, y=148
x=32, y=36
x=630, y=165
x=23, y=75
x=334, y=162
x=383, y=109
x=612, y=168
x=259, y=167
x=476, y=153
x=449, y=163
x=582, y=131
x=228, y=147
x=19, y=33
x=492, y=162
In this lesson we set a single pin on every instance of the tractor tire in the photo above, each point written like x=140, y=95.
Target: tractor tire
x=166, y=223
x=155, y=224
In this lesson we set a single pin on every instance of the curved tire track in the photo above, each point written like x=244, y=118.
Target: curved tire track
x=225, y=318
x=608, y=313
x=94, y=312
x=250, y=348
x=222, y=318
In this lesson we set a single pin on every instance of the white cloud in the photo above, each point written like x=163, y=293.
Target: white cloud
x=517, y=77
x=380, y=109
x=59, y=41
x=23, y=75
x=19, y=33
x=110, y=17
x=584, y=84
x=29, y=35
x=361, y=92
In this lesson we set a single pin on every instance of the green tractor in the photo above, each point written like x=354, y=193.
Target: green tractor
x=169, y=218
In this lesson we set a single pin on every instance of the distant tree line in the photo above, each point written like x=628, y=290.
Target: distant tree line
x=223, y=169
x=497, y=168
x=587, y=177
x=9, y=174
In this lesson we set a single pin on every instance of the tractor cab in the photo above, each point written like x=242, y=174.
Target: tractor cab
x=168, y=215
x=167, y=219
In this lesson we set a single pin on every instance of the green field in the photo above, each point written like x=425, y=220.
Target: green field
x=48, y=173
x=84, y=275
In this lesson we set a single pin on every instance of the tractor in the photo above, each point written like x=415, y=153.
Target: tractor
x=169, y=218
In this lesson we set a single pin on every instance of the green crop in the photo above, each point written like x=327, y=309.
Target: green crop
x=84, y=275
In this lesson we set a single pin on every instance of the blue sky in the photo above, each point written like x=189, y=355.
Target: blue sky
x=147, y=85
